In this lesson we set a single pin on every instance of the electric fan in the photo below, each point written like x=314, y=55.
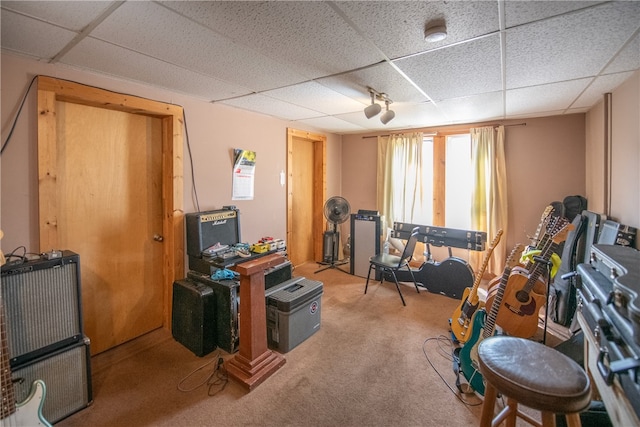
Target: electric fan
x=336, y=211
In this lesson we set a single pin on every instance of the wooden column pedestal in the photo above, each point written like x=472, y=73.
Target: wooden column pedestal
x=254, y=362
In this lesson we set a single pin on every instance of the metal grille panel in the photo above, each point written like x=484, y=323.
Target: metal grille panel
x=42, y=306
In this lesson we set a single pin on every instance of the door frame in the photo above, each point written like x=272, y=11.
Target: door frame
x=319, y=185
x=51, y=90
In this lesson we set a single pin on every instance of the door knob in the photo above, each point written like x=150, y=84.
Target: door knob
x=158, y=238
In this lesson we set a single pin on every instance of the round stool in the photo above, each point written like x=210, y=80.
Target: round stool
x=533, y=375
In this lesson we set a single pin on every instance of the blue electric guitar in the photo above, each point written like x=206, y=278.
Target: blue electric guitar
x=484, y=326
x=28, y=412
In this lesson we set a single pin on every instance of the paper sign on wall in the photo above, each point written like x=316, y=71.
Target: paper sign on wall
x=244, y=169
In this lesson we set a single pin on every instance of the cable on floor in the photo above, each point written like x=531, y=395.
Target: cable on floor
x=217, y=378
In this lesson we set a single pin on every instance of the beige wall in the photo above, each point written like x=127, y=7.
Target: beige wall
x=625, y=153
x=545, y=161
x=214, y=130
x=548, y=158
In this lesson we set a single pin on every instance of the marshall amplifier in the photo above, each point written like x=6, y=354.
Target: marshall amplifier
x=205, y=229
x=42, y=305
x=608, y=304
x=206, y=232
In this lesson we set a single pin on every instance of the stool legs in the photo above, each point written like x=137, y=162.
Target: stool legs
x=510, y=413
x=490, y=395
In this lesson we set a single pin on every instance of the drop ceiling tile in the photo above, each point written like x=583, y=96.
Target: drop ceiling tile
x=486, y=106
x=569, y=46
x=15, y=36
x=519, y=12
x=153, y=30
x=628, y=59
x=544, y=98
x=596, y=90
x=105, y=58
x=381, y=77
x=310, y=37
x=397, y=28
x=72, y=15
x=412, y=116
x=316, y=97
x=461, y=70
x=332, y=124
x=272, y=107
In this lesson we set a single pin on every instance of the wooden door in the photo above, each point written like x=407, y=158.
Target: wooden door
x=109, y=211
x=306, y=188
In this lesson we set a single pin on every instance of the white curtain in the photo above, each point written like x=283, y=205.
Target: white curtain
x=489, y=194
x=400, y=199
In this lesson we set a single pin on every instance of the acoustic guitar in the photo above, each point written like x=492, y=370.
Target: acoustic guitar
x=461, y=319
x=527, y=287
x=484, y=326
x=28, y=412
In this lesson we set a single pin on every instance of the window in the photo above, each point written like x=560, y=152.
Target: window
x=447, y=183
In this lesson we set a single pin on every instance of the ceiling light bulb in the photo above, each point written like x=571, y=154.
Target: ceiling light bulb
x=373, y=109
x=435, y=34
x=388, y=115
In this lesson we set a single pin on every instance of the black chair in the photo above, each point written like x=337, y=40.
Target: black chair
x=392, y=263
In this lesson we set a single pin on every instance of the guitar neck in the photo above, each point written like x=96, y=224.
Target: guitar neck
x=8, y=393
x=473, y=295
x=490, y=322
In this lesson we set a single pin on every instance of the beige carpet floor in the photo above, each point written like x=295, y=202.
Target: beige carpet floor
x=372, y=363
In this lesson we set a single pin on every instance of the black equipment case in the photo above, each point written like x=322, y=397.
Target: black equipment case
x=439, y=236
x=193, y=316
x=608, y=301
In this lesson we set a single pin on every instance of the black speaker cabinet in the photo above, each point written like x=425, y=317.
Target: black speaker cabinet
x=42, y=306
x=193, y=316
x=66, y=374
x=365, y=242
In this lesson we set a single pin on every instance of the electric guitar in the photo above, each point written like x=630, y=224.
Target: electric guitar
x=28, y=412
x=527, y=287
x=484, y=326
x=461, y=320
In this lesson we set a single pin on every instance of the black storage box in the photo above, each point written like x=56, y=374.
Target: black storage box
x=193, y=316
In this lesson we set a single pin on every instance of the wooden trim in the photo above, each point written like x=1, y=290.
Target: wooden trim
x=319, y=185
x=51, y=90
x=439, y=181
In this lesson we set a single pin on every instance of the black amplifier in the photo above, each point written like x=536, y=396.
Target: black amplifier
x=607, y=299
x=42, y=305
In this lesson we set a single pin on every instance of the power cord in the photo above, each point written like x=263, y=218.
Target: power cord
x=446, y=353
x=218, y=378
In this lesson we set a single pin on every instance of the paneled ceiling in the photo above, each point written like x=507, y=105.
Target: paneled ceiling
x=312, y=61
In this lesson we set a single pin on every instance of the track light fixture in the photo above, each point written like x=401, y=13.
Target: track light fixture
x=375, y=108
x=388, y=115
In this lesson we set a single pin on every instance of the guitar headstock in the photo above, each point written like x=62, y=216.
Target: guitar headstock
x=496, y=239
x=513, y=257
x=558, y=228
